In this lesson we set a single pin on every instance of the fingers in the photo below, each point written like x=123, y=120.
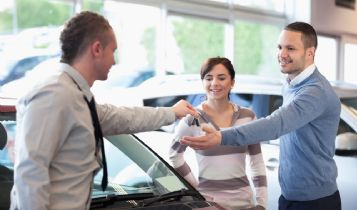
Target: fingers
x=207, y=128
x=192, y=111
x=182, y=108
x=210, y=137
x=193, y=142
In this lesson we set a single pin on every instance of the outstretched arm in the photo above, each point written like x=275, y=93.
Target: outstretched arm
x=211, y=138
x=177, y=150
x=303, y=109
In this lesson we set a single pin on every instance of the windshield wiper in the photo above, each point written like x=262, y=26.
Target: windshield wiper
x=175, y=195
x=110, y=199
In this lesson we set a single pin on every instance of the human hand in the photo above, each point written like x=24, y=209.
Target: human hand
x=182, y=108
x=210, y=138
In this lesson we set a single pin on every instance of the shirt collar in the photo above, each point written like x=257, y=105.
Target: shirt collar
x=78, y=79
x=303, y=75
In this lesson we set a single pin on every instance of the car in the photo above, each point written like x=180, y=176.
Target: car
x=14, y=67
x=138, y=177
x=263, y=96
x=19, y=86
x=118, y=79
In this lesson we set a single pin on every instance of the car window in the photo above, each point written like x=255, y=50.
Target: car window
x=6, y=164
x=351, y=102
x=18, y=68
x=132, y=168
x=6, y=155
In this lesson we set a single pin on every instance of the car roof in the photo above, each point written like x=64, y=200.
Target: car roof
x=186, y=84
x=344, y=89
x=7, y=104
x=7, y=108
x=170, y=85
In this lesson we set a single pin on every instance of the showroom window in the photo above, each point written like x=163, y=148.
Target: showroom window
x=135, y=27
x=192, y=40
x=327, y=51
x=255, y=48
x=273, y=5
x=350, y=62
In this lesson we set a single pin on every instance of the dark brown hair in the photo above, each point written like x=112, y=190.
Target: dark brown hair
x=80, y=31
x=211, y=62
x=309, y=37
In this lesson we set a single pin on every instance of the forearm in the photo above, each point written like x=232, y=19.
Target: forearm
x=258, y=173
x=282, y=121
x=177, y=151
x=119, y=120
x=251, y=133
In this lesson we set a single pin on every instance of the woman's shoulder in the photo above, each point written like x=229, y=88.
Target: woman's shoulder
x=244, y=111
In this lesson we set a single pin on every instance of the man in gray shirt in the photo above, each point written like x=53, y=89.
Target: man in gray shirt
x=56, y=144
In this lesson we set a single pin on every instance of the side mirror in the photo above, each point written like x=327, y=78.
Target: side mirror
x=346, y=144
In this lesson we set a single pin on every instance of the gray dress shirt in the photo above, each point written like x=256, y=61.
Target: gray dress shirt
x=55, y=144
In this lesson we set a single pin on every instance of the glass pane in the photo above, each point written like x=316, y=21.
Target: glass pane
x=138, y=171
x=274, y=5
x=255, y=49
x=136, y=35
x=326, y=51
x=190, y=41
x=27, y=39
x=7, y=152
x=93, y=5
x=350, y=63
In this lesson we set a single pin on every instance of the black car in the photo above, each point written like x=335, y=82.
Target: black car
x=138, y=177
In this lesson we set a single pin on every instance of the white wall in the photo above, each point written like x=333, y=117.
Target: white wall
x=328, y=18
x=298, y=10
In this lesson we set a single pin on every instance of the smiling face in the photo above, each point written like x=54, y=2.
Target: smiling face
x=292, y=55
x=217, y=83
x=105, y=58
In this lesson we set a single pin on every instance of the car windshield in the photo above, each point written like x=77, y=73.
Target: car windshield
x=351, y=103
x=14, y=68
x=134, y=169
x=5, y=66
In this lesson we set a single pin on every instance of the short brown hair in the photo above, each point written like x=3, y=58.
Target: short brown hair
x=309, y=37
x=80, y=31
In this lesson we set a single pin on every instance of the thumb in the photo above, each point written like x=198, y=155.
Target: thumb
x=207, y=128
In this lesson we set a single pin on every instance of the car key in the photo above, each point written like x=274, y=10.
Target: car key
x=195, y=122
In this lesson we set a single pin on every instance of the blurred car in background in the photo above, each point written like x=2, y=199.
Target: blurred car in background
x=138, y=177
x=263, y=96
x=16, y=88
x=118, y=79
x=15, y=67
x=23, y=51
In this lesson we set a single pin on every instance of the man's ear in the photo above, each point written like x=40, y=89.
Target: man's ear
x=96, y=48
x=311, y=51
